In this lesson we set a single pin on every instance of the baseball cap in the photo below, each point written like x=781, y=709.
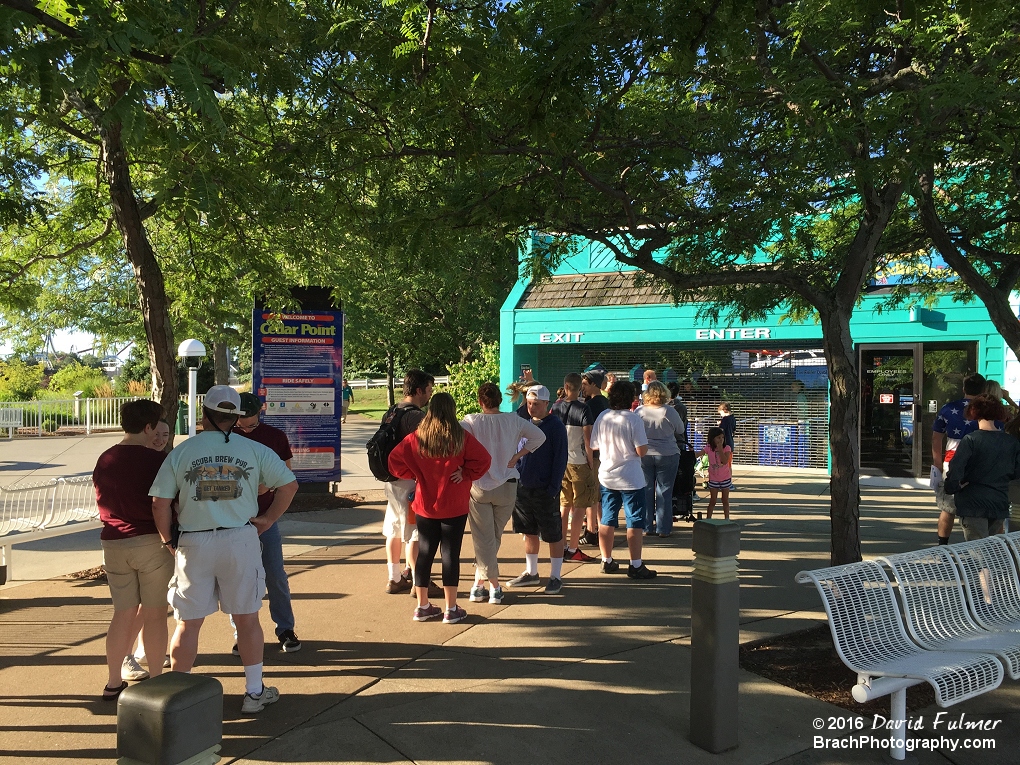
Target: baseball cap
x=539, y=392
x=250, y=405
x=223, y=398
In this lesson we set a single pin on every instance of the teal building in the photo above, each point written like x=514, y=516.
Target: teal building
x=772, y=372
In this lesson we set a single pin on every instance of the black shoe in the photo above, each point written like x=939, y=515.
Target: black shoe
x=589, y=538
x=235, y=650
x=289, y=642
x=610, y=567
x=641, y=572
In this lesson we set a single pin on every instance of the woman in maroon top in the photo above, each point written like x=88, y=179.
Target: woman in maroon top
x=138, y=564
x=444, y=459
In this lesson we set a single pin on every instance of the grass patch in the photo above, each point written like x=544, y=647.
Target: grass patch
x=372, y=403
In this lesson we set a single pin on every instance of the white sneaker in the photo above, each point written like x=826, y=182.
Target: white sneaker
x=253, y=703
x=130, y=669
x=496, y=596
x=478, y=594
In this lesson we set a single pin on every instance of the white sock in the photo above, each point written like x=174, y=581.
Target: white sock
x=567, y=552
x=635, y=562
x=607, y=560
x=531, y=564
x=395, y=571
x=253, y=679
x=555, y=567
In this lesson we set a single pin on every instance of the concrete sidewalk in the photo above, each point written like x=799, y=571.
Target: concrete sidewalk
x=599, y=673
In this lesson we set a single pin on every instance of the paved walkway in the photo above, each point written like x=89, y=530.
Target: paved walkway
x=596, y=674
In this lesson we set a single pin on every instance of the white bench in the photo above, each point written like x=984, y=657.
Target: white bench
x=871, y=639
x=930, y=585
x=37, y=511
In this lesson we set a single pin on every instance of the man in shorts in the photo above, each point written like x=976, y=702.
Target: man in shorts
x=537, y=512
x=593, y=383
x=218, y=562
x=948, y=430
x=620, y=435
x=577, y=494
x=398, y=532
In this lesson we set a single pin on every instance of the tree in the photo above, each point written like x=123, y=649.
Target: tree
x=751, y=155
x=126, y=106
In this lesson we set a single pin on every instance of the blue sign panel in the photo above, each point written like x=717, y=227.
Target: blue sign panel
x=297, y=370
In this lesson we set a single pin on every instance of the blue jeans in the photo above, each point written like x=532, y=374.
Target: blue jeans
x=660, y=473
x=277, y=585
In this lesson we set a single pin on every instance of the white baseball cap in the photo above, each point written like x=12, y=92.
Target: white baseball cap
x=223, y=398
x=539, y=392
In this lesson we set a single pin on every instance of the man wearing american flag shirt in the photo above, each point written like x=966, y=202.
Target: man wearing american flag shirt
x=948, y=430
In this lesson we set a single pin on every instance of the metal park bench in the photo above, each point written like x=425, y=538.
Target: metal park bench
x=935, y=606
x=37, y=511
x=871, y=639
x=990, y=581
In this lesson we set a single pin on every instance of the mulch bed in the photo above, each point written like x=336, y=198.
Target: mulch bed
x=807, y=662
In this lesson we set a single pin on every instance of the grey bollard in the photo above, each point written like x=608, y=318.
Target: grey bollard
x=715, y=636
x=171, y=719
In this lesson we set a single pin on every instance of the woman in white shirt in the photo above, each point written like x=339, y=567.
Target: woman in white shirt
x=507, y=437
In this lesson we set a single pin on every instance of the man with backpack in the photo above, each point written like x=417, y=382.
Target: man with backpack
x=399, y=421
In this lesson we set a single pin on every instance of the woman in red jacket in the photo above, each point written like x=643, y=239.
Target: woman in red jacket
x=444, y=459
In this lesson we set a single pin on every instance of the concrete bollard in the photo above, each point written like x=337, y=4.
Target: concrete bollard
x=172, y=719
x=715, y=636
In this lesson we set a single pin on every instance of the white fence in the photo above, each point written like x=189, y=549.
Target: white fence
x=36, y=511
x=380, y=382
x=61, y=418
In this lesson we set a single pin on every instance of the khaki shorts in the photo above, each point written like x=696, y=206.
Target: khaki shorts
x=139, y=570
x=579, y=488
x=397, y=503
x=218, y=570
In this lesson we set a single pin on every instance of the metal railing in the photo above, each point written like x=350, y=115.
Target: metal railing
x=38, y=511
x=43, y=506
x=65, y=417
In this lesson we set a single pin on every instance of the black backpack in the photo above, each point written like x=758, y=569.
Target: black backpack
x=381, y=444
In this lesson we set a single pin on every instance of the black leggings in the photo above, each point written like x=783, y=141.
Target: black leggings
x=439, y=535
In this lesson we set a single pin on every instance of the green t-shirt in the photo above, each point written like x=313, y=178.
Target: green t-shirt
x=218, y=481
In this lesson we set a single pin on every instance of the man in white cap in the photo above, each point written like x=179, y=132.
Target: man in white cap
x=218, y=562
x=537, y=509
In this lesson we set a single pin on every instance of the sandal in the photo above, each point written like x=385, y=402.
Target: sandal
x=109, y=694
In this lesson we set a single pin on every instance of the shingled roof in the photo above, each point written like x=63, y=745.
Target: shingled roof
x=585, y=290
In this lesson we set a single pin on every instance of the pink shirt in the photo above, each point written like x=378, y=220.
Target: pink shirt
x=717, y=472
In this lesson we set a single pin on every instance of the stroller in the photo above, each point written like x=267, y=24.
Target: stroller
x=684, y=485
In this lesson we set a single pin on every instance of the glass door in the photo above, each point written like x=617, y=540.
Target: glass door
x=945, y=366
x=890, y=380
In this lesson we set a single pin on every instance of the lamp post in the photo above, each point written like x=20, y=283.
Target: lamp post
x=192, y=351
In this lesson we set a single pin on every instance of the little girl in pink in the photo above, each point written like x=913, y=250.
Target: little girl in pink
x=720, y=469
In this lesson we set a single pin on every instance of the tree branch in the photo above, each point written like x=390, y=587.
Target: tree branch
x=48, y=21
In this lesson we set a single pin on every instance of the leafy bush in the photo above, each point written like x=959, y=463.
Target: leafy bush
x=50, y=425
x=78, y=377
x=19, y=381
x=466, y=377
x=103, y=391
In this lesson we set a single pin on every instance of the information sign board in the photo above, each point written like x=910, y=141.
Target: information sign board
x=297, y=370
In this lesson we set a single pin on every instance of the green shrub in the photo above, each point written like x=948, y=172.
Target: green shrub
x=19, y=381
x=78, y=377
x=466, y=377
x=50, y=425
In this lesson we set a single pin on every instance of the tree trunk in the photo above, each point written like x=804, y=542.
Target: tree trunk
x=844, y=436
x=389, y=378
x=221, y=363
x=152, y=296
